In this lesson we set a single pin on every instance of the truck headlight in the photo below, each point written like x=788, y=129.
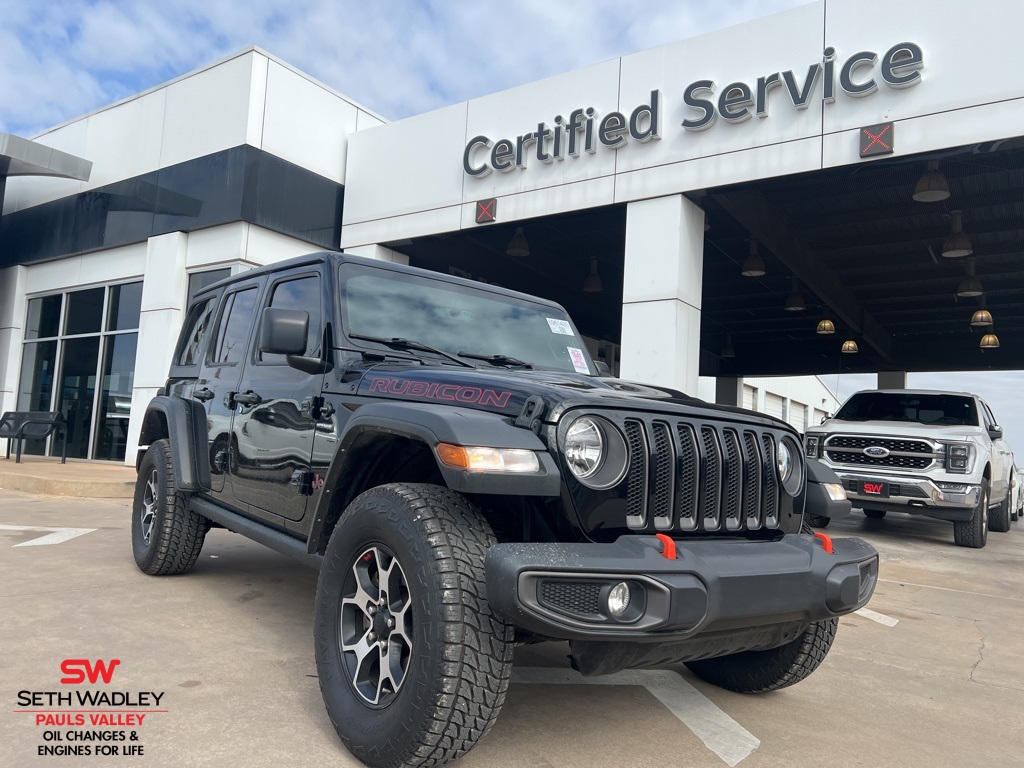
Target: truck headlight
x=789, y=465
x=811, y=447
x=958, y=458
x=595, y=452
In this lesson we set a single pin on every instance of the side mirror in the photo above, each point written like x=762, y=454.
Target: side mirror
x=284, y=331
x=995, y=432
x=603, y=369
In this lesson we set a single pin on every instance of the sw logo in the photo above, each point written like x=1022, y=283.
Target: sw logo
x=77, y=670
x=874, y=487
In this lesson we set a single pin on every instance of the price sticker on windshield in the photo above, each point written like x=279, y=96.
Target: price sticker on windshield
x=560, y=326
x=579, y=362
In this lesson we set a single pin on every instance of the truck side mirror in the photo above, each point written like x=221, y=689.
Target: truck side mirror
x=603, y=369
x=995, y=432
x=284, y=331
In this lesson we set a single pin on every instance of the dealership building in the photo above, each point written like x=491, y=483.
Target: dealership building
x=832, y=189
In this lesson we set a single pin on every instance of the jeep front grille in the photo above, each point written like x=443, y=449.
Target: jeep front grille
x=903, y=453
x=708, y=478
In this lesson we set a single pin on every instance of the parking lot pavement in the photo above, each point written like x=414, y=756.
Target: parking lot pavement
x=933, y=675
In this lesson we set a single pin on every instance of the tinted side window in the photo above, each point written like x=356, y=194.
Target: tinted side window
x=990, y=419
x=236, y=318
x=304, y=294
x=196, y=324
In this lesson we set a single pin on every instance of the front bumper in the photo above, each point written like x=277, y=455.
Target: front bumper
x=713, y=585
x=914, y=493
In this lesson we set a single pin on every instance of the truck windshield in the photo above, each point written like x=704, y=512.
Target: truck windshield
x=924, y=409
x=459, y=319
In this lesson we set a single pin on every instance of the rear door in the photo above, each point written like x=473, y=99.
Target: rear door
x=274, y=424
x=220, y=373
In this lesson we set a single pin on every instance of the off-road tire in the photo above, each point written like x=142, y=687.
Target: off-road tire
x=999, y=517
x=166, y=535
x=459, y=658
x=762, y=671
x=973, y=533
x=874, y=514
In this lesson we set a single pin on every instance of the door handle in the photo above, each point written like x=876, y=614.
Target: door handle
x=247, y=398
x=203, y=394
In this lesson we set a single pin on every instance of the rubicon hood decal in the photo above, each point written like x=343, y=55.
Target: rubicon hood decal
x=440, y=391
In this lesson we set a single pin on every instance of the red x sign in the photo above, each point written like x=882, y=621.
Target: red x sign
x=876, y=140
x=486, y=210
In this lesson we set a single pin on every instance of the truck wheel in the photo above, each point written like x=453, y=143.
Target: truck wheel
x=874, y=514
x=818, y=521
x=761, y=671
x=413, y=665
x=166, y=535
x=999, y=520
x=974, y=532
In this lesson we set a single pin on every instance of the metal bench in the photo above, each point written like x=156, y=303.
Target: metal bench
x=22, y=425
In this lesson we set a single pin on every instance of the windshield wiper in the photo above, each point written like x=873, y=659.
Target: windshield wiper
x=400, y=343
x=497, y=359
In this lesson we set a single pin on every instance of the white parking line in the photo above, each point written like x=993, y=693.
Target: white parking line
x=719, y=732
x=881, y=618
x=55, y=535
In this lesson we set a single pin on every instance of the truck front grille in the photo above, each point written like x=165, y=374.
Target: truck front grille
x=707, y=477
x=903, y=453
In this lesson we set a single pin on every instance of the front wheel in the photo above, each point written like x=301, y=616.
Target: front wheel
x=762, y=671
x=413, y=665
x=874, y=514
x=973, y=533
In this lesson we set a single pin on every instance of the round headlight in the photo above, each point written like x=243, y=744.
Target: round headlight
x=784, y=461
x=595, y=452
x=790, y=466
x=584, y=447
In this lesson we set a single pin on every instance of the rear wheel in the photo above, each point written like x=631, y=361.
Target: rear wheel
x=762, y=671
x=413, y=665
x=166, y=535
x=999, y=518
x=874, y=514
x=974, y=532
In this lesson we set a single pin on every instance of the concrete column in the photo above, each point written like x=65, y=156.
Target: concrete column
x=892, y=380
x=661, y=295
x=378, y=252
x=164, y=299
x=12, y=332
x=729, y=391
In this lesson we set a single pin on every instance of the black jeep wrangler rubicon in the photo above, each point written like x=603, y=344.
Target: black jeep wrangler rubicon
x=448, y=457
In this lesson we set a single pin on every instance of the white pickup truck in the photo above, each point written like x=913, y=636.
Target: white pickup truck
x=939, y=454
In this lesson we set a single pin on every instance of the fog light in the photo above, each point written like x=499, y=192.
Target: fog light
x=618, y=599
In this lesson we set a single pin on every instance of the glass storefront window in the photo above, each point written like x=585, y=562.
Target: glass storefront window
x=199, y=280
x=124, y=307
x=43, y=317
x=68, y=373
x=85, y=312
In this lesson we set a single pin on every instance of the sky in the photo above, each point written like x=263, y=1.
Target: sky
x=63, y=58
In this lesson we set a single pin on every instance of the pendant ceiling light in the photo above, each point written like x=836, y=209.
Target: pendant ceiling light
x=826, y=327
x=728, y=352
x=592, y=283
x=795, y=302
x=990, y=341
x=932, y=186
x=981, y=318
x=754, y=265
x=971, y=285
x=958, y=244
x=850, y=347
x=518, y=246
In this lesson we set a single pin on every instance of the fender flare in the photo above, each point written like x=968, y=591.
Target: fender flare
x=431, y=424
x=185, y=423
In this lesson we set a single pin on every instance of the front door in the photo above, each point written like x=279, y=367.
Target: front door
x=274, y=424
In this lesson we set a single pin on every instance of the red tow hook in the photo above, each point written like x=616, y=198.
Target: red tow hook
x=826, y=542
x=668, y=550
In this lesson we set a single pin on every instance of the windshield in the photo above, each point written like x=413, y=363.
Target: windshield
x=924, y=409
x=456, y=318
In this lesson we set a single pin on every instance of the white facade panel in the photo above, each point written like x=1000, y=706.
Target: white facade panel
x=664, y=251
x=428, y=222
x=266, y=247
x=969, y=52
x=407, y=167
x=217, y=246
x=208, y=111
x=257, y=101
x=775, y=405
x=738, y=54
x=797, y=415
x=591, y=193
x=654, y=358
x=306, y=124
x=88, y=269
